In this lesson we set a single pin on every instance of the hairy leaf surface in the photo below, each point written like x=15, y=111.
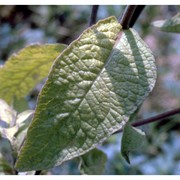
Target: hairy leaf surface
x=24, y=70
x=169, y=25
x=94, y=87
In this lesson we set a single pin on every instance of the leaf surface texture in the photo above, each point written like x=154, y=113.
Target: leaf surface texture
x=24, y=70
x=93, y=88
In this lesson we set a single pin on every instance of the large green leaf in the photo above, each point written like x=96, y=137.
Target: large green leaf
x=24, y=70
x=169, y=25
x=93, y=162
x=92, y=90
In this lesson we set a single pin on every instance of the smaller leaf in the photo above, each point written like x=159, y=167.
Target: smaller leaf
x=6, y=151
x=22, y=122
x=169, y=25
x=132, y=140
x=93, y=162
x=5, y=168
x=7, y=115
x=23, y=117
x=23, y=71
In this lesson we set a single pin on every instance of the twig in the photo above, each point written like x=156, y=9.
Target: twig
x=159, y=117
x=93, y=15
x=136, y=14
x=125, y=19
x=130, y=15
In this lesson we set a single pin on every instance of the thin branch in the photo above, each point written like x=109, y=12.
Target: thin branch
x=159, y=117
x=127, y=16
x=136, y=14
x=93, y=15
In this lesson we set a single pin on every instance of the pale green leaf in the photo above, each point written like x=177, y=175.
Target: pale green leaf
x=132, y=140
x=23, y=117
x=24, y=70
x=93, y=162
x=169, y=25
x=7, y=115
x=94, y=87
x=21, y=123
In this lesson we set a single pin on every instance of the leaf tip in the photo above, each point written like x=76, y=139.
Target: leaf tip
x=126, y=157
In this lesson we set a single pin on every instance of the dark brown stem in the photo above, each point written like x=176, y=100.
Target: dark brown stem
x=93, y=15
x=130, y=15
x=159, y=117
x=136, y=14
x=127, y=16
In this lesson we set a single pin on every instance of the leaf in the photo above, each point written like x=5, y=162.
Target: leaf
x=23, y=117
x=92, y=90
x=16, y=134
x=169, y=25
x=132, y=140
x=93, y=162
x=22, y=122
x=5, y=167
x=24, y=70
x=7, y=115
x=6, y=151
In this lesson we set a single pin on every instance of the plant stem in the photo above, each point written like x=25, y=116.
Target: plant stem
x=136, y=14
x=127, y=16
x=156, y=118
x=130, y=15
x=93, y=15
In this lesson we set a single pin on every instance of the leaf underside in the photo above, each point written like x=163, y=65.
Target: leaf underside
x=93, y=162
x=132, y=140
x=169, y=25
x=93, y=88
x=24, y=70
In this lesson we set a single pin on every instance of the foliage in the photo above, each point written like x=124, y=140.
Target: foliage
x=169, y=25
x=93, y=162
x=14, y=125
x=132, y=140
x=27, y=68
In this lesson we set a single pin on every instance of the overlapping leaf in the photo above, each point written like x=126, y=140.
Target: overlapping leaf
x=169, y=25
x=7, y=115
x=93, y=162
x=27, y=68
x=92, y=90
x=132, y=140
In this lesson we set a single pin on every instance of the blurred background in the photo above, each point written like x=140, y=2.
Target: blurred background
x=23, y=25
